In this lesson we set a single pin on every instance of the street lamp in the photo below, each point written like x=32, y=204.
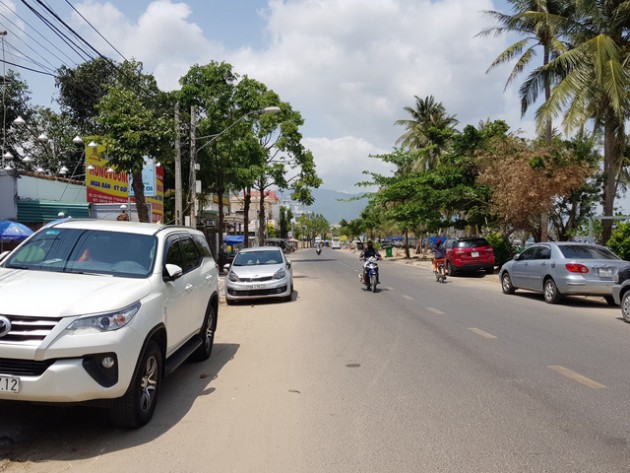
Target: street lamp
x=193, y=158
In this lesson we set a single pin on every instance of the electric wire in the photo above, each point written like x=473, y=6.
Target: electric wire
x=85, y=56
x=49, y=68
x=27, y=68
x=27, y=34
x=96, y=30
x=77, y=35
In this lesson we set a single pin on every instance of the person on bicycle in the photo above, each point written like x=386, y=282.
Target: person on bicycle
x=439, y=254
x=368, y=252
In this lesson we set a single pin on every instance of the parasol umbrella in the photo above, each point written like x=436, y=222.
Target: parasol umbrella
x=13, y=231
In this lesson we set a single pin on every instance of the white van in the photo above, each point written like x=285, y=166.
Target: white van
x=335, y=244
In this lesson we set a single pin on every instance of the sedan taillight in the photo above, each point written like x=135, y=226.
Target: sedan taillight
x=576, y=268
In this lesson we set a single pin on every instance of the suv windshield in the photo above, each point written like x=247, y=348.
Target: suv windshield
x=472, y=243
x=86, y=251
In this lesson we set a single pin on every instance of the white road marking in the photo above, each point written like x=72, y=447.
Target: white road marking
x=576, y=377
x=481, y=332
x=434, y=310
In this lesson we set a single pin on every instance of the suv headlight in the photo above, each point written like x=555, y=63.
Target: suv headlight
x=280, y=274
x=105, y=322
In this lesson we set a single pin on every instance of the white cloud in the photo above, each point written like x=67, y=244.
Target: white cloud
x=341, y=161
x=348, y=66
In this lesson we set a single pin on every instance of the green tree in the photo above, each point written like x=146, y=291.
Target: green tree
x=619, y=241
x=134, y=129
x=81, y=89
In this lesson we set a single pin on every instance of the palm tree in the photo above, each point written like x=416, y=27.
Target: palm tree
x=595, y=84
x=429, y=129
x=538, y=21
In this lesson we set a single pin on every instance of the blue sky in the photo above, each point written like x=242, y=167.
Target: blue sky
x=348, y=66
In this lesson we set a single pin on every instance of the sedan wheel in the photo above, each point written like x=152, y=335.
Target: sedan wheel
x=506, y=284
x=550, y=291
x=625, y=306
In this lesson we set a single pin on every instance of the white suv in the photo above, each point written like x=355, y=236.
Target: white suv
x=101, y=311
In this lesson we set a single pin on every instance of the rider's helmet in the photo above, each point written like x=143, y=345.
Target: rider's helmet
x=369, y=243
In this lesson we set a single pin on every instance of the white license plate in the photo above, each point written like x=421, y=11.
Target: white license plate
x=9, y=384
x=475, y=254
x=606, y=273
x=253, y=287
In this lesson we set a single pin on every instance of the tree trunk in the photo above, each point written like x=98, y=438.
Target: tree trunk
x=407, y=255
x=138, y=191
x=247, y=199
x=261, y=219
x=611, y=158
x=544, y=218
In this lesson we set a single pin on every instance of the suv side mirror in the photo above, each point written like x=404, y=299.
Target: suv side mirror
x=172, y=272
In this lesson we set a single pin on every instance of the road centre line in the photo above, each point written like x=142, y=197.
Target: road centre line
x=576, y=377
x=481, y=332
x=409, y=298
x=434, y=310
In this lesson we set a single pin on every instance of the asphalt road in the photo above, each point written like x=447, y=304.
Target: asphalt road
x=418, y=377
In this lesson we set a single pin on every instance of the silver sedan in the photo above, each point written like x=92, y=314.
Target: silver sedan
x=257, y=273
x=558, y=269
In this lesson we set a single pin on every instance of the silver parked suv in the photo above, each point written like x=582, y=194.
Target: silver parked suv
x=99, y=311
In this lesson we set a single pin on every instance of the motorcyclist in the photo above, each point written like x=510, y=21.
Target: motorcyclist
x=439, y=254
x=368, y=252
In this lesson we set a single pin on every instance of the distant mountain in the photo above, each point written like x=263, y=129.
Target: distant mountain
x=333, y=206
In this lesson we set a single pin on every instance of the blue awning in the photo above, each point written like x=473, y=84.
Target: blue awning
x=233, y=239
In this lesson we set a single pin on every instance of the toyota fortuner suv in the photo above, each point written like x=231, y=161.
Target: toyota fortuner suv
x=99, y=312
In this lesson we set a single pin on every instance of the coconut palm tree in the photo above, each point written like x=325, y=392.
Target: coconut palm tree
x=595, y=84
x=538, y=21
x=429, y=128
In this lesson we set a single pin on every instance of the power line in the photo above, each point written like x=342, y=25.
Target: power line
x=69, y=42
x=77, y=35
x=26, y=33
x=31, y=59
x=97, y=31
x=27, y=68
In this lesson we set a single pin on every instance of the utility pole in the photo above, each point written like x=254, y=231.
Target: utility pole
x=178, y=170
x=193, y=168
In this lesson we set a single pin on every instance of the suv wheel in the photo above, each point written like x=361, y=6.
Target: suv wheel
x=625, y=306
x=207, y=334
x=136, y=407
x=450, y=268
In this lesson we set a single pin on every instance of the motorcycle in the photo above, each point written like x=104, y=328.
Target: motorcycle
x=370, y=269
x=440, y=272
x=318, y=250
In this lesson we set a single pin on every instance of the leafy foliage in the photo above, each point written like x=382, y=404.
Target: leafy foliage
x=619, y=241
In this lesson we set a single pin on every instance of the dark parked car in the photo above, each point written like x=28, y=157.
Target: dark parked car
x=468, y=254
x=621, y=291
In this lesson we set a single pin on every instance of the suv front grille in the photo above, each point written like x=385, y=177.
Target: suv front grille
x=29, y=330
x=24, y=367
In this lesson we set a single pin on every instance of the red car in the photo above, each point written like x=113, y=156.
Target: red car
x=469, y=254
